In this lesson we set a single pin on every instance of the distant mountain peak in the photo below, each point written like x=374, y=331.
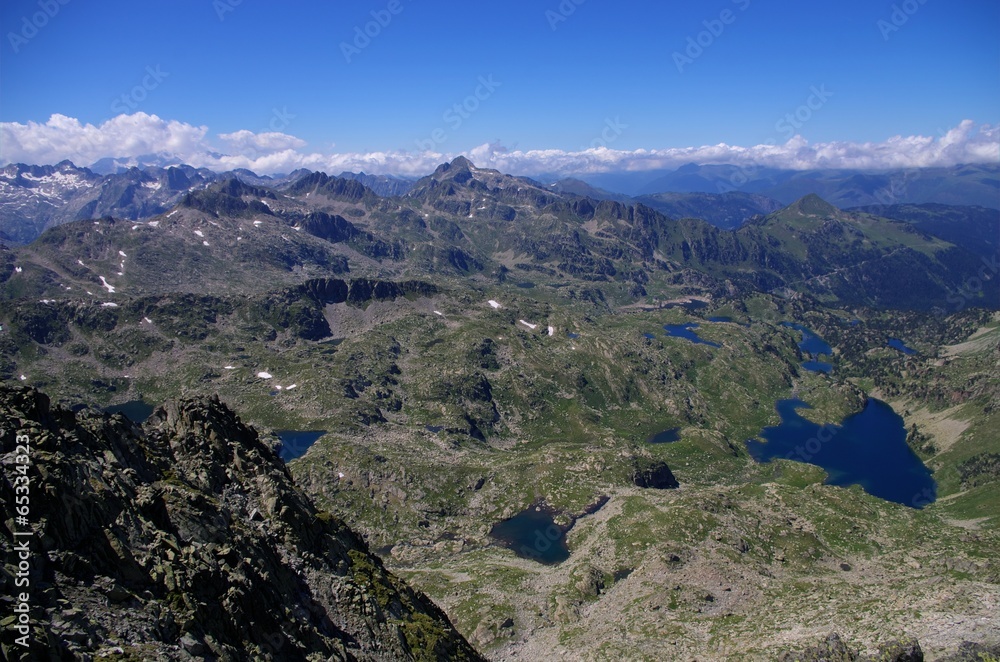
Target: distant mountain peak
x=462, y=163
x=460, y=168
x=813, y=205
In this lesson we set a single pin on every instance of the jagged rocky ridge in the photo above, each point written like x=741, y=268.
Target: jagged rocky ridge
x=187, y=537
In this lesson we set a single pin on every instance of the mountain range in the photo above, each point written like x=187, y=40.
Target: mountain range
x=485, y=347
x=33, y=198
x=958, y=185
x=463, y=220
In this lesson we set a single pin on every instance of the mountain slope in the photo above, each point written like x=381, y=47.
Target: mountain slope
x=727, y=211
x=958, y=185
x=187, y=538
x=464, y=221
x=977, y=229
x=34, y=198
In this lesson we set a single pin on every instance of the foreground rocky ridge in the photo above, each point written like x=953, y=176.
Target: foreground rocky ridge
x=188, y=537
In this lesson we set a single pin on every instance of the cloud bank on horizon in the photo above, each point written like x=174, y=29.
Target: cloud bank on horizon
x=140, y=134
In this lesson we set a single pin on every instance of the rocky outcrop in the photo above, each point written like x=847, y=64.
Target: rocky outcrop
x=653, y=474
x=970, y=651
x=326, y=291
x=835, y=649
x=187, y=538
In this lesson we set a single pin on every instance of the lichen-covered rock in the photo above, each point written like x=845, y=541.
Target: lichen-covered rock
x=187, y=537
x=835, y=649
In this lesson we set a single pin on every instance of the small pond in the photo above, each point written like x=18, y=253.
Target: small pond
x=534, y=534
x=812, y=346
x=665, y=437
x=693, y=304
x=136, y=411
x=294, y=444
x=896, y=343
x=687, y=332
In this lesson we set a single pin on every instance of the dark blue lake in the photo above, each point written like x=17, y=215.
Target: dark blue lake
x=572, y=336
x=867, y=449
x=895, y=343
x=136, y=411
x=813, y=346
x=818, y=366
x=294, y=444
x=534, y=534
x=665, y=437
x=693, y=304
x=686, y=331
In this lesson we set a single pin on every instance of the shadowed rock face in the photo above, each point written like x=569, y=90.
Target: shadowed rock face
x=332, y=290
x=654, y=474
x=187, y=537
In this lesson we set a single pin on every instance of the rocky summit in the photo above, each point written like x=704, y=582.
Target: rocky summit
x=187, y=538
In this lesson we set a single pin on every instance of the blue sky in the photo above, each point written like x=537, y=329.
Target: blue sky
x=560, y=75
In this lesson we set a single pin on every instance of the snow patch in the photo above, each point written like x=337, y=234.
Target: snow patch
x=154, y=224
x=289, y=388
x=105, y=283
x=204, y=243
x=80, y=262
x=258, y=223
x=529, y=324
x=230, y=367
x=438, y=312
x=18, y=270
x=109, y=304
x=23, y=378
x=199, y=233
x=264, y=375
x=494, y=304
x=122, y=253
x=552, y=330
x=147, y=320
x=168, y=216
x=340, y=474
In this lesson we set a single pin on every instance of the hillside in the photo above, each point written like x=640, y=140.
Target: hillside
x=188, y=538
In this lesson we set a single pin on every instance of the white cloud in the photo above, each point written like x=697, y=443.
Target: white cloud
x=274, y=152
x=247, y=141
x=125, y=135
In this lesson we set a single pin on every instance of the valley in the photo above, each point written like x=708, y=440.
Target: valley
x=447, y=396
